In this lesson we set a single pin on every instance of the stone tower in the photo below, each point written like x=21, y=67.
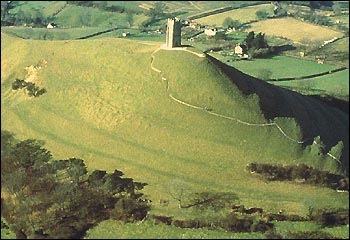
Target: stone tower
x=173, y=33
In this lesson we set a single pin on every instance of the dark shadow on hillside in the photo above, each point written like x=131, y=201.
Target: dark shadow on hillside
x=313, y=116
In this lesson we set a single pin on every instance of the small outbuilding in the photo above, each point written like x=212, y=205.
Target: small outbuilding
x=125, y=34
x=240, y=49
x=210, y=31
x=51, y=25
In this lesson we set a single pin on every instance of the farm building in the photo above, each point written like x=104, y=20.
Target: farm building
x=125, y=34
x=51, y=25
x=210, y=31
x=240, y=49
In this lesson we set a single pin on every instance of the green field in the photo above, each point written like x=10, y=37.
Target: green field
x=74, y=33
x=47, y=8
x=282, y=67
x=113, y=229
x=72, y=16
x=106, y=105
x=51, y=34
x=335, y=84
x=336, y=53
x=117, y=230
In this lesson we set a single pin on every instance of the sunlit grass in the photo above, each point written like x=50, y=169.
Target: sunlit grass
x=243, y=15
x=294, y=29
x=105, y=104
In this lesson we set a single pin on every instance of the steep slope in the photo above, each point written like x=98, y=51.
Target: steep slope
x=313, y=117
x=163, y=117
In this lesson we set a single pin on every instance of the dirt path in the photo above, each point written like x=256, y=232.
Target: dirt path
x=194, y=5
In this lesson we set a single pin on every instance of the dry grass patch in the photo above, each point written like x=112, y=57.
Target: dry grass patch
x=294, y=29
x=242, y=14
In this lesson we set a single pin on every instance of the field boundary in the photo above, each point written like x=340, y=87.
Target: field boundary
x=307, y=76
x=98, y=33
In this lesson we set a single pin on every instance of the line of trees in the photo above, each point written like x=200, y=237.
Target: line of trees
x=300, y=171
x=48, y=198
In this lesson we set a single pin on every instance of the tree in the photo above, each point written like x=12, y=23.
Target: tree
x=85, y=19
x=213, y=200
x=38, y=18
x=337, y=150
x=336, y=8
x=230, y=23
x=20, y=17
x=249, y=39
x=48, y=198
x=29, y=153
x=158, y=10
x=76, y=169
x=177, y=191
x=259, y=41
x=129, y=18
x=261, y=14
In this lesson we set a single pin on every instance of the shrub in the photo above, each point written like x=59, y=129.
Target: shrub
x=300, y=171
x=330, y=217
x=308, y=235
x=19, y=84
x=162, y=219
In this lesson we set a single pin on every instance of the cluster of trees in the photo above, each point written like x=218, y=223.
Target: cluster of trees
x=261, y=14
x=230, y=23
x=230, y=222
x=329, y=217
x=154, y=14
x=301, y=171
x=48, y=198
x=313, y=17
x=34, y=18
x=241, y=219
x=32, y=89
x=313, y=4
x=103, y=5
x=257, y=45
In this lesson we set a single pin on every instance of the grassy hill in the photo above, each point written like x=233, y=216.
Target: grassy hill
x=106, y=105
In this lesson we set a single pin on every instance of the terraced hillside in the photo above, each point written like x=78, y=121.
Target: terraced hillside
x=169, y=117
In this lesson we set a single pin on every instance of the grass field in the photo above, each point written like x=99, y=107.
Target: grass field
x=72, y=16
x=294, y=29
x=106, y=105
x=51, y=34
x=47, y=8
x=336, y=52
x=343, y=19
x=281, y=67
x=335, y=84
x=284, y=227
x=74, y=33
x=113, y=229
x=244, y=15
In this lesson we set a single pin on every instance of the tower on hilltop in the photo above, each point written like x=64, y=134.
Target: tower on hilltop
x=173, y=33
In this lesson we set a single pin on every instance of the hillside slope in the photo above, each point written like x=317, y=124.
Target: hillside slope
x=167, y=118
